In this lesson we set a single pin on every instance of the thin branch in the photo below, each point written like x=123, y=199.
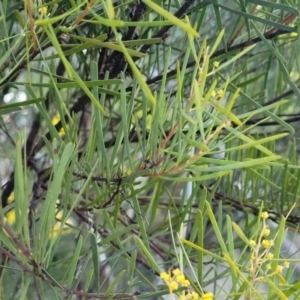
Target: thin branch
x=220, y=52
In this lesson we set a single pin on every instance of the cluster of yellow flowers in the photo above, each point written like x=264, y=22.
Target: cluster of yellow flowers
x=10, y=218
x=176, y=280
x=220, y=93
x=261, y=252
x=43, y=10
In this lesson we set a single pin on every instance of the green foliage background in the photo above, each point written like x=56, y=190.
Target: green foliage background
x=133, y=133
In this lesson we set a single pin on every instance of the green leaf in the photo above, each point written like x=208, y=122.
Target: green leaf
x=186, y=27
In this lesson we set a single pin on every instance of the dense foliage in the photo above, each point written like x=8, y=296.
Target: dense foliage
x=149, y=149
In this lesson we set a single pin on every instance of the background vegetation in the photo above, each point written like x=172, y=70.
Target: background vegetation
x=149, y=149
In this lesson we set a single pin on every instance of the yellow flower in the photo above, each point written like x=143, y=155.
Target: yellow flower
x=173, y=286
x=267, y=243
x=55, y=120
x=216, y=64
x=266, y=231
x=137, y=116
x=11, y=198
x=56, y=228
x=286, y=264
x=43, y=10
x=180, y=278
x=186, y=283
x=220, y=93
x=213, y=93
x=208, y=296
x=269, y=256
x=252, y=243
x=279, y=269
x=10, y=217
x=194, y=295
x=174, y=281
x=264, y=215
x=149, y=120
x=165, y=276
x=176, y=272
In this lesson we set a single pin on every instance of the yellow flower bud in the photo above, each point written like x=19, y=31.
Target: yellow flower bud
x=266, y=231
